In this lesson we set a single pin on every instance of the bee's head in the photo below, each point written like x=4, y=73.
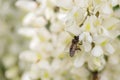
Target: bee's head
x=76, y=37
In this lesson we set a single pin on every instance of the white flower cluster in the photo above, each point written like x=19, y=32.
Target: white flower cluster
x=95, y=23
x=10, y=41
x=51, y=25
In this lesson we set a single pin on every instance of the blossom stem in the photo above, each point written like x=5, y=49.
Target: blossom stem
x=95, y=75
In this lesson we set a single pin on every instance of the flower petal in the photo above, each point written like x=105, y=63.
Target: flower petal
x=97, y=51
x=109, y=48
x=87, y=46
x=31, y=5
x=79, y=61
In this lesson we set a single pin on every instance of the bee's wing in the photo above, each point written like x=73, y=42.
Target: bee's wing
x=67, y=47
x=68, y=42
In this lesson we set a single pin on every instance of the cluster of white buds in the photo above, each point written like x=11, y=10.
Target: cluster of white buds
x=11, y=43
x=51, y=25
x=97, y=27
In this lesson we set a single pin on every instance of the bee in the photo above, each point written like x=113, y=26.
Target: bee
x=74, y=46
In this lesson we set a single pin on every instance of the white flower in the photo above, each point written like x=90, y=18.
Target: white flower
x=97, y=51
x=33, y=20
x=29, y=18
x=78, y=15
x=28, y=56
x=83, y=3
x=79, y=61
x=106, y=9
x=109, y=48
x=73, y=30
x=11, y=44
x=43, y=64
x=25, y=76
x=56, y=27
x=34, y=43
x=9, y=61
x=11, y=73
x=28, y=32
x=87, y=46
x=55, y=64
x=92, y=20
x=66, y=4
x=110, y=23
x=114, y=2
x=26, y=5
x=85, y=36
x=96, y=63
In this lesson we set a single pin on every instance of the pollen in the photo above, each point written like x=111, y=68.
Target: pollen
x=42, y=38
x=111, y=27
x=46, y=74
x=87, y=27
x=104, y=43
x=76, y=14
x=97, y=22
